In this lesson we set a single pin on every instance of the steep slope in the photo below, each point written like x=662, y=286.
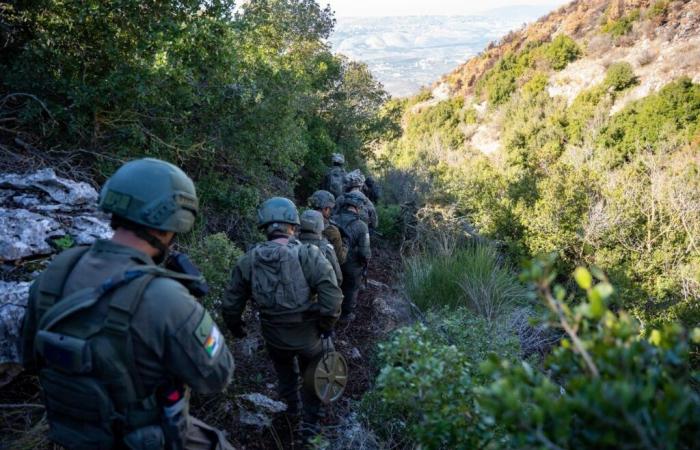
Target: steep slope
x=577, y=135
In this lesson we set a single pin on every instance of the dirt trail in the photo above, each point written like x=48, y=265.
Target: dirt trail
x=380, y=309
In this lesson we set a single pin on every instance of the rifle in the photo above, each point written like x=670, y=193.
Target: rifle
x=180, y=262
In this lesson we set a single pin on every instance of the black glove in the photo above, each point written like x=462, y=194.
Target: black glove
x=180, y=262
x=238, y=330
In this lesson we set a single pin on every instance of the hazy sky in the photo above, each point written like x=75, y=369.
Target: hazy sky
x=367, y=8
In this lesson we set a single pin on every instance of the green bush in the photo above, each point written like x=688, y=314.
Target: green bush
x=605, y=384
x=621, y=26
x=425, y=389
x=441, y=120
x=620, y=76
x=215, y=255
x=561, y=51
x=389, y=222
x=671, y=114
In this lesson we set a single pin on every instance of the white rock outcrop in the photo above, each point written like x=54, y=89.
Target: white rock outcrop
x=36, y=209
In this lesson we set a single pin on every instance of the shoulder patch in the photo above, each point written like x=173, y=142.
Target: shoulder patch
x=208, y=334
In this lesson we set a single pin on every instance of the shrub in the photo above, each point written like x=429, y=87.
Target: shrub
x=621, y=26
x=389, y=226
x=672, y=113
x=605, y=384
x=561, y=51
x=215, y=255
x=425, y=389
x=620, y=76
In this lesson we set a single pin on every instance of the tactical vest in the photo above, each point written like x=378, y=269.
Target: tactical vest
x=335, y=183
x=278, y=283
x=91, y=388
x=343, y=222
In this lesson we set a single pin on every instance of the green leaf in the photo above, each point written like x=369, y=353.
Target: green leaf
x=604, y=290
x=583, y=278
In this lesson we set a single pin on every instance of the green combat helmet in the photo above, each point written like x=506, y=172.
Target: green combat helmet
x=312, y=222
x=355, y=179
x=152, y=193
x=277, y=210
x=354, y=198
x=321, y=199
x=338, y=159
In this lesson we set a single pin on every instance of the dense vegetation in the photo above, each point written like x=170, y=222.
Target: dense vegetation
x=563, y=357
x=246, y=100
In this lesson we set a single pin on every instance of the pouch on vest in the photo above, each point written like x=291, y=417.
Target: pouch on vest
x=277, y=279
x=65, y=353
x=79, y=410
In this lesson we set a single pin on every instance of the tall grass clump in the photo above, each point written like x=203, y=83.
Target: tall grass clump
x=472, y=276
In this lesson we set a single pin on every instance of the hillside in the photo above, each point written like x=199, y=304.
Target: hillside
x=568, y=152
x=577, y=134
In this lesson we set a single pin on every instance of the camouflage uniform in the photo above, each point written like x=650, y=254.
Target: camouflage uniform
x=312, y=226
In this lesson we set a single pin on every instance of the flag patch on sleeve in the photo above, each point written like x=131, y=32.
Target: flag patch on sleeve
x=208, y=334
x=213, y=342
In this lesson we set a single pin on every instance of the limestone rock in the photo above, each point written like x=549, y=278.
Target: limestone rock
x=256, y=409
x=41, y=206
x=13, y=302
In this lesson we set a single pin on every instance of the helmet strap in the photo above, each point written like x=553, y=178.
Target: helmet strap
x=154, y=242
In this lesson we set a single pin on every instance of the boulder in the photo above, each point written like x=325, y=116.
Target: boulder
x=37, y=209
x=13, y=302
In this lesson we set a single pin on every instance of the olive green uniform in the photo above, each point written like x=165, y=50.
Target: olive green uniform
x=359, y=254
x=162, y=329
x=327, y=250
x=290, y=332
x=368, y=213
x=333, y=235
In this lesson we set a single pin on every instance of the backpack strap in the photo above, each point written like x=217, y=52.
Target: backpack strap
x=53, y=280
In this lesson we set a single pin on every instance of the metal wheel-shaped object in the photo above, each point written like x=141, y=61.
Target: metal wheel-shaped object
x=328, y=377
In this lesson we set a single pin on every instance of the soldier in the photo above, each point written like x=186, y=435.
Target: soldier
x=372, y=189
x=334, y=182
x=311, y=232
x=119, y=341
x=324, y=202
x=359, y=252
x=354, y=182
x=296, y=292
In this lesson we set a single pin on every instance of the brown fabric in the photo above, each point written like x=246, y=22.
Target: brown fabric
x=201, y=436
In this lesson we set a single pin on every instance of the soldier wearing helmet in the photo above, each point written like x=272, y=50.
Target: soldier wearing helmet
x=311, y=232
x=359, y=253
x=334, y=181
x=294, y=288
x=354, y=182
x=324, y=202
x=117, y=339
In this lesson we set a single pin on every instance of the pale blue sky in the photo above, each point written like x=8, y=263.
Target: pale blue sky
x=374, y=8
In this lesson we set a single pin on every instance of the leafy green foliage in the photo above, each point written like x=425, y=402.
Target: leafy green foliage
x=561, y=51
x=603, y=385
x=64, y=242
x=244, y=101
x=621, y=26
x=389, y=222
x=442, y=120
x=503, y=79
x=215, y=255
x=672, y=113
x=620, y=76
x=425, y=389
